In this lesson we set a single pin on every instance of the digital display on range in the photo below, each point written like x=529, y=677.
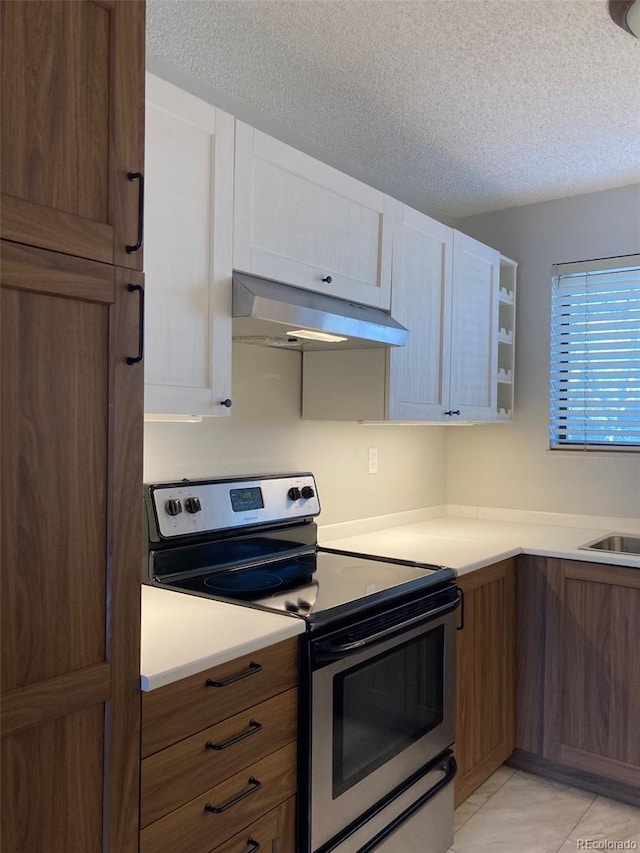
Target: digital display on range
x=246, y=499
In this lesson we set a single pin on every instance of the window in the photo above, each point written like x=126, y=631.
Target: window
x=595, y=355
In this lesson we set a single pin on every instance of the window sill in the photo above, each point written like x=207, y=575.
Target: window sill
x=592, y=454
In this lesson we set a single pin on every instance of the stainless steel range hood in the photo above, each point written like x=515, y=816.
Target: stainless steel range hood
x=270, y=313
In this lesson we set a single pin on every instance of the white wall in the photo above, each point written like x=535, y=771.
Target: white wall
x=510, y=465
x=265, y=434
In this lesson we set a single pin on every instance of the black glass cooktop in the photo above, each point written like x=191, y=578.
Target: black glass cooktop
x=315, y=583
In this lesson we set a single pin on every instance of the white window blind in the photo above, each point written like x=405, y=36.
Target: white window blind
x=595, y=355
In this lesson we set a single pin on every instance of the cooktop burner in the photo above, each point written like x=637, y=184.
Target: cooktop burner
x=252, y=582
x=249, y=582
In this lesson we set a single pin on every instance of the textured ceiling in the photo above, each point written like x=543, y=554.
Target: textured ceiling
x=462, y=106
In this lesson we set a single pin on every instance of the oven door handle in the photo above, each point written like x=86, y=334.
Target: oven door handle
x=329, y=651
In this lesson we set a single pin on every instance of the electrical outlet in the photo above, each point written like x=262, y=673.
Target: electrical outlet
x=373, y=460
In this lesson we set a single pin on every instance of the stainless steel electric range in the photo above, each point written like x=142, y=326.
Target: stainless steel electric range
x=377, y=692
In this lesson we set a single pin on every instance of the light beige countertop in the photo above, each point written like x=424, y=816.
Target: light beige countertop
x=184, y=634
x=466, y=544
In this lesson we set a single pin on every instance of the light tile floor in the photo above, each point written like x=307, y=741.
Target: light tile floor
x=514, y=812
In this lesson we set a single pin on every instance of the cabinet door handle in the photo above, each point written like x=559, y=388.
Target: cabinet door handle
x=253, y=729
x=135, y=359
x=137, y=176
x=252, y=669
x=252, y=845
x=226, y=403
x=327, y=279
x=461, y=597
x=255, y=786
x=450, y=412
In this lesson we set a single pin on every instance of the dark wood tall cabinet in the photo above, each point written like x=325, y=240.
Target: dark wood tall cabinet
x=72, y=88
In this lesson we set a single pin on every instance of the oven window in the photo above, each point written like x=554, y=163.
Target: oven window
x=385, y=704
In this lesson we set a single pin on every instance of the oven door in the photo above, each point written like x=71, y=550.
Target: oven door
x=381, y=709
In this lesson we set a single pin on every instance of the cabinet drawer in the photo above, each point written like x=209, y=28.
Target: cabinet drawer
x=178, y=710
x=175, y=775
x=275, y=831
x=242, y=799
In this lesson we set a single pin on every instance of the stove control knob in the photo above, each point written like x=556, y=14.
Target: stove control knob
x=173, y=506
x=307, y=492
x=294, y=493
x=192, y=505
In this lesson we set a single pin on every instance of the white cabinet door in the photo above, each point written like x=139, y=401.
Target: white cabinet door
x=445, y=291
x=420, y=300
x=474, y=338
x=188, y=253
x=299, y=221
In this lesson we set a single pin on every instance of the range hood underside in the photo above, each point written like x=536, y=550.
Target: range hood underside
x=265, y=312
x=268, y=333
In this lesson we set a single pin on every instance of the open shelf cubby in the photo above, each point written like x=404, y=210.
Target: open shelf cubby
x=506, y=338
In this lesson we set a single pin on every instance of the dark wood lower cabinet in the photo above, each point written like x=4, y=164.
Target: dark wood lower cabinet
x=485, y=733
x=274, y=833
x=227, y=798
x=202, y=824
x=578, y=665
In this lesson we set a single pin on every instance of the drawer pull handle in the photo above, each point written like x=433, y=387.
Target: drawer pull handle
x=255, y=786
x=253, y=729
x=252, y=669
x=253, y=845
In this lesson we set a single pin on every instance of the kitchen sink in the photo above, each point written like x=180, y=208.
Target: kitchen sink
x=616, y=543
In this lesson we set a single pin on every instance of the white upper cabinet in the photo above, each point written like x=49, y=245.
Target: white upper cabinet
x=222, y=195
x=188, y=253
x=445, y=290
x=420, y=300
x=299, y=221
x=474, y=331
